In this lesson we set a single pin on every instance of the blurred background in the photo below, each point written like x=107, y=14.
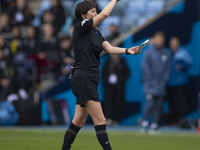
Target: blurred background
x=36, y=55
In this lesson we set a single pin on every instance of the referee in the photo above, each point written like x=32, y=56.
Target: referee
x=88, y=44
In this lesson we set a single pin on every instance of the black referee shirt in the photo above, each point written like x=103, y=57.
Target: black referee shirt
x=87, y=42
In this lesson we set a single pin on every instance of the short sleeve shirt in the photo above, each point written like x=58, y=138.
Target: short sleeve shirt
x=87, y=43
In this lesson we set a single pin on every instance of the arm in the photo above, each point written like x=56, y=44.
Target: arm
x=167, y=70
x=117, y=50
x=104, y=13
x=181, y=65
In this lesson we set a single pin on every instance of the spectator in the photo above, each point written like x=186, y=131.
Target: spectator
x=177, y=85
x=6, y=70
x=45, y=5
x=20, y=14
x=5, y=24
x=6, y=78
x=66, y=54
x=5, y=49
x=114, y=33
x=49, y=50
x=62, y=83
x=49, y=42
x=30, y=48
x=155, y=74
x=49, y=18
x=16, y=40
x=4, y=87
x=114, y=74
x=58, y=11
x=23, y=67
x=31, y=44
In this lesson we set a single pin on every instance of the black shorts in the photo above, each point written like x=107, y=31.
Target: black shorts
x=85, y=89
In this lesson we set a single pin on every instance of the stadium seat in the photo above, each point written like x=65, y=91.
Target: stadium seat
x=135, y=8
x=153, y=7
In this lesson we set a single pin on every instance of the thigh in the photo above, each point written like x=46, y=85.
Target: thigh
x=149, y=104
x=95, y=111
x=84, y=90
x=80, y=116
x=159, y=104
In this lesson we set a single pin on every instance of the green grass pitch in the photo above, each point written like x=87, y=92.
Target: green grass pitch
x=50, y=139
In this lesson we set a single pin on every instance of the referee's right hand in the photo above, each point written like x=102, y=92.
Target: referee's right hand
x=134, y=50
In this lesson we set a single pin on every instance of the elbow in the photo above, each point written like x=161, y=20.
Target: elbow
x=104, y=15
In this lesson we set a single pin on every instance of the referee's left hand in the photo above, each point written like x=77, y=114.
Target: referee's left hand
x=134, y=50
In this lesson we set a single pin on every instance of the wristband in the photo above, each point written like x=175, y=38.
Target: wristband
x=126, y=51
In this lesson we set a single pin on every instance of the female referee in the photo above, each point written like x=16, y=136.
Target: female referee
x=88, y=44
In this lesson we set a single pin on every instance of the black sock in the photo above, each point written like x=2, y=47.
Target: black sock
x=70, y=136
x=102, y=137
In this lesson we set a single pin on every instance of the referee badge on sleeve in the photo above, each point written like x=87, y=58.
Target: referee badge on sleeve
x=84, y=21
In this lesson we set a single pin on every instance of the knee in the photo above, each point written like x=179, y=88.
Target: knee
x=104, y=121
x=100, y=121
x=79, y=122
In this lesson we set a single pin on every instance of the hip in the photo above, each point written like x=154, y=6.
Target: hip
x=85, y=74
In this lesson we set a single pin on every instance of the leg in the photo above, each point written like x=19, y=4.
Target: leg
x=95, y=111
x=80, y=116
x=157, y=112
x=181, y=102
x=148, y=111
x=148, y=108
x=171, y=100
x=109, y=101
x=77, y=123
x=118, y=103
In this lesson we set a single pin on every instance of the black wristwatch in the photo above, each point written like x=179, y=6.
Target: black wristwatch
x=126, y=51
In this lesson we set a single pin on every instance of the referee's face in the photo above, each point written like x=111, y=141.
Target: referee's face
x=91, y=13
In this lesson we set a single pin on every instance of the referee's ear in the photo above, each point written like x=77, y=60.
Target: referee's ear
x=83, y=16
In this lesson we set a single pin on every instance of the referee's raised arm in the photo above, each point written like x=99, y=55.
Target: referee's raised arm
x=104, y=13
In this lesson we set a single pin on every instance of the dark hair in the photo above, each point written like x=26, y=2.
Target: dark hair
x=160, y=33
x=82, y=8
x=65, y=37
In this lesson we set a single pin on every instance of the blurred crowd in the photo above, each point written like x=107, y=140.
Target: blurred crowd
x=31, y=52
x=34, y=52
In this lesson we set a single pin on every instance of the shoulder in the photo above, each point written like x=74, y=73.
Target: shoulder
x=77, y=25
x=182, y=50
x=84, y=21
x=84, y=26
